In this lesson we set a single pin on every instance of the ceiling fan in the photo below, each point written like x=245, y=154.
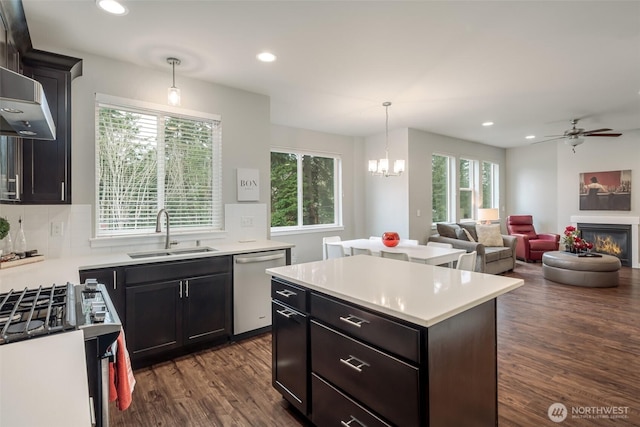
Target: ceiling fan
x=575, y=136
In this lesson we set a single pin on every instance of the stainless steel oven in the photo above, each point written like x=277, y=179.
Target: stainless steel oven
x=34, y=313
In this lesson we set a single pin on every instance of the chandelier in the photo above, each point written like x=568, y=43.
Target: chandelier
x=381, y=167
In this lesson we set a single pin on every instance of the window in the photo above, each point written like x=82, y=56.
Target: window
x=477, y=183
x=442, y=179
x=148, y=159
x=305, y=189
x=468, y=181
x=490, y=185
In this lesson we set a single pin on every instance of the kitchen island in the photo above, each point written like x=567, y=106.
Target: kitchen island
x=372, y=341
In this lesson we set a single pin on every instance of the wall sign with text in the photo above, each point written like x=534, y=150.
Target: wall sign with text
x=248, y=185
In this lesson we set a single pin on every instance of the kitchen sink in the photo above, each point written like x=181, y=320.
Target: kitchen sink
x=169, y=252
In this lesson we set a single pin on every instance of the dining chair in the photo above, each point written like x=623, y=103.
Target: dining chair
x=325, y=240
x=467, y=261
x=402, y=256
x=410, y=242
x=440, y=245
x=335, y=251
x=360, y=251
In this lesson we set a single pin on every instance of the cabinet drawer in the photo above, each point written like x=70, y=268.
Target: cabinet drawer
x=394, y=337
x=332, y=408
x=289, y=294
x=386, y=385
x=176, y=270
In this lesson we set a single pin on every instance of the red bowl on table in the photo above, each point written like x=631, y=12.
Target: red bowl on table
x=390, y=239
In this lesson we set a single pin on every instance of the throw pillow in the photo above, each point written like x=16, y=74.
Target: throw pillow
x=460, y=234
x=447, y=230
x=489, y=235
x=471, y=228
x=468, y=234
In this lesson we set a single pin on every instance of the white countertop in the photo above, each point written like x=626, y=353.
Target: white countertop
x=44, y=382
x=418, y=293
x=63, y=270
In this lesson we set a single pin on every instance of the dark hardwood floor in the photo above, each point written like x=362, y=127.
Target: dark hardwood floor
x=556, y=343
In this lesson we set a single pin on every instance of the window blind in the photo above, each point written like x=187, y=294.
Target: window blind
x=150, y=159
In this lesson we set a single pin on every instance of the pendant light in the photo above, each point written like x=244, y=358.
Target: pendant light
x=381, y=167
x=174, y=92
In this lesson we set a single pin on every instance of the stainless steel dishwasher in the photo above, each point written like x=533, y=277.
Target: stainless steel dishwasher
x=252, y=289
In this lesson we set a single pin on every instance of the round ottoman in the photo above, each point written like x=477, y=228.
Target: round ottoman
x=570, y=269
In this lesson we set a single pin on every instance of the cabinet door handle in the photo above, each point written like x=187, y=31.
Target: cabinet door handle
x=353, y=420
x=354, y=363
x=62, y=191
x=286, y=313
x=286, y=293
x=180, y=291
x=187, y=288
x=353, y=320
x=115, y=280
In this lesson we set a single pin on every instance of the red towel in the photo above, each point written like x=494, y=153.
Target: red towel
x=121, y=380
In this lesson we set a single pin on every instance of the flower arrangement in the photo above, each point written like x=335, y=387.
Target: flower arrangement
x=573, y=242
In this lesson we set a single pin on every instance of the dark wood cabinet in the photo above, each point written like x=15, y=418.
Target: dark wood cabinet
x=46, y=176
x=290, y=327
x=113, y=280
x=154, y=318
x=173, y=305
x=207, y=302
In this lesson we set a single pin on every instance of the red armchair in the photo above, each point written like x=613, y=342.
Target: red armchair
x=530, y=245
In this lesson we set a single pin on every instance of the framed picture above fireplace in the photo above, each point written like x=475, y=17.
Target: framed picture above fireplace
x=605, y=191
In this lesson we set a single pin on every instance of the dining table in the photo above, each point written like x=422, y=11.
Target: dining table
x=433, y=255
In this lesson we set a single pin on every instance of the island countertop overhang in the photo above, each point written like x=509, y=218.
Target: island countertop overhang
x=420, y=294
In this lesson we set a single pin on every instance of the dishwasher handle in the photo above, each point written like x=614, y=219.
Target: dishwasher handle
x=249, y=260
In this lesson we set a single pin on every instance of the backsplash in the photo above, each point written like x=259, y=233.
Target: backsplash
x=54, y=231
x=58, y=231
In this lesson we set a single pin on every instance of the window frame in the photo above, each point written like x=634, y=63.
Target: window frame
x=217, y=220
x=451, y=180
x=337, y=193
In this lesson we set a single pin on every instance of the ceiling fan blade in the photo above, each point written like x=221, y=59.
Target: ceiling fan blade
x=547, y=140
x=602, y=134
x=595, y=131
x=551, y=136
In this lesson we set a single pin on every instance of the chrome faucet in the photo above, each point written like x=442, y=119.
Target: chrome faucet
x=168, y=243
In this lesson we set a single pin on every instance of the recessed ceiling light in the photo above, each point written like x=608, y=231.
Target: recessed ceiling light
x=530, y=137
x=487, y=124
x=266, y=57
x=112, y=6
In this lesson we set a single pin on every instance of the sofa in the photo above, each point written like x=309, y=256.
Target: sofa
x=496, y=252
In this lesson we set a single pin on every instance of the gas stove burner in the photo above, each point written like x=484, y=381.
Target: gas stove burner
x=28, y=302
x=21, y=327
x=8, y=317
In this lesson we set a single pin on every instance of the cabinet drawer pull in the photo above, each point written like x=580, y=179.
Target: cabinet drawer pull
x=353, y=420
x=286, y=293
x=353, y=320
x=357, y=366
x=286, y=313
x=115, y=280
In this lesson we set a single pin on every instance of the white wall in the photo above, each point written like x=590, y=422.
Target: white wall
x=531, y=181
x=422, y=145
x=309, y=244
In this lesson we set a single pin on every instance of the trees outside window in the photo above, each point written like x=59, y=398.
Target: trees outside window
x=147, y=160
x=304, y=190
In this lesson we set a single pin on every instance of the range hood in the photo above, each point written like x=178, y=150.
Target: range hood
x=24, y=111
